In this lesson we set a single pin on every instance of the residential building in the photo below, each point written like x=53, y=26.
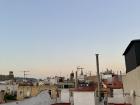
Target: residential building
x=132, y=79
x=7, y=77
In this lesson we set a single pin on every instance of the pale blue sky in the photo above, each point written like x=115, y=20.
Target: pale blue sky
x=52, y=37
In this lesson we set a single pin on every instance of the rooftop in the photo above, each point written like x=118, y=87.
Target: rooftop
x=130, y=45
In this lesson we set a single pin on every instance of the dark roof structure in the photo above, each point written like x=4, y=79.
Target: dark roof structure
x=130, y=45
x=132, y=55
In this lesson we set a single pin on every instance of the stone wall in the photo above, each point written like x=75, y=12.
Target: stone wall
x=30, y=91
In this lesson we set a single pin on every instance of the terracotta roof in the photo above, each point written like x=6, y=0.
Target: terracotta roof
x=84, y=89
x=115, y=83
x=61, y=104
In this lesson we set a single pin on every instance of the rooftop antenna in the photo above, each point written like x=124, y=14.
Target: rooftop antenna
x=25, y=74
x=76, y=76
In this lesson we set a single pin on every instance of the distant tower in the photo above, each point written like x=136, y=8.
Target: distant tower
x=72, y=76
x=82, y=72
x=11, y=75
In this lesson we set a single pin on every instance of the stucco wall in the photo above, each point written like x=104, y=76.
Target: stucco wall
x=131, y=83
x=84, y=98
x=65, y=95
x=118, y=97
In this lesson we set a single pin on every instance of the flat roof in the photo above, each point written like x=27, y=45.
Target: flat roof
x=130, y=45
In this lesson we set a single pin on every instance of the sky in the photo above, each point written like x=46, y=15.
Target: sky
x=53, y=37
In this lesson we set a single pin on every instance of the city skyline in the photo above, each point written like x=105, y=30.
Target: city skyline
x=54, y=37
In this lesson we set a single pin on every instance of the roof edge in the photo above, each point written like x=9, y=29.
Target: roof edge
x=130, y=44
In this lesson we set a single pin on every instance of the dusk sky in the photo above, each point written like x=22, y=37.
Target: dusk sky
x=53, y=37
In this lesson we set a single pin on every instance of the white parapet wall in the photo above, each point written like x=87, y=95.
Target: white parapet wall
x=118, y=97
x=8, y=88
x=65, y=95
x=84, y=98
x=42, y=99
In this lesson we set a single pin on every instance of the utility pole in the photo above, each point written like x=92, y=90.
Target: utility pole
x=76, y=79
x=98, y=75
x=24, y=79
x=25, y=73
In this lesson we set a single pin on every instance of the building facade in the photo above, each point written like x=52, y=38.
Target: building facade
x=131, y=81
